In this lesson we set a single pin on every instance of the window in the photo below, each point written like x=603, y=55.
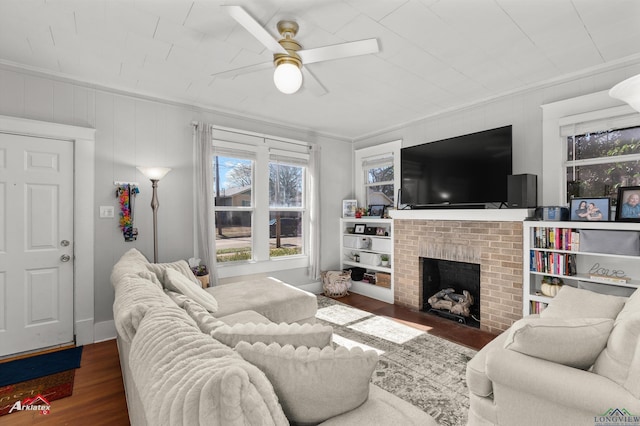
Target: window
x=599, y=162
x=379, y=183
x=376, y=180
x=261, y=210
x=286, y=207
x=233, y=187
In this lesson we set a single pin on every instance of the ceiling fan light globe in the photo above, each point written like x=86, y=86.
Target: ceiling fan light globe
x=628, y=91
x=287, y=78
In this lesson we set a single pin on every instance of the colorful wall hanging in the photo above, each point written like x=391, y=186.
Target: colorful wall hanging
x=126, y=194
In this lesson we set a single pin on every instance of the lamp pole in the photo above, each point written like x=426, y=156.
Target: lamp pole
x=154, y=207
x=154, y=174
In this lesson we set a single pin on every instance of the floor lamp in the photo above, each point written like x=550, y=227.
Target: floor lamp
x=155, y=174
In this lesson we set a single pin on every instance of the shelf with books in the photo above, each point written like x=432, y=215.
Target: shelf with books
x=579, y=254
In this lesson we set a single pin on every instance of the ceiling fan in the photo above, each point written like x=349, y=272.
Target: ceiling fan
x=289, y=58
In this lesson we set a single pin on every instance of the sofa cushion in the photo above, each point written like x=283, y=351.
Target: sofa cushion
x=186, y=377
x=176, y=281
x=574, y=342
x=148, y=275
x=270, y=297
x=244, y=317
x=180, y=265
x=316, y=335
x=134, y=295
x=571, y=302
x=205, y=321
x=314, y=384
x=616, y=362
x=131, y=262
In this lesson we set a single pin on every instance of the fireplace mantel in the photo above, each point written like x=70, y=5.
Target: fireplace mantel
x=493, y=215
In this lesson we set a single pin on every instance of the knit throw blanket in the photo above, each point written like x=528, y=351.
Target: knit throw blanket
x=186, y=377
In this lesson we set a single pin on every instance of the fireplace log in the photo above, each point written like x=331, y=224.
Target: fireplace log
x=448, y=300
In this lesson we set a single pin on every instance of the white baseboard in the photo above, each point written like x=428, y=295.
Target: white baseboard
x=105, y=330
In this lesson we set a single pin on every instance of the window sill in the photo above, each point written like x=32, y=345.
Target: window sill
x=260, y=267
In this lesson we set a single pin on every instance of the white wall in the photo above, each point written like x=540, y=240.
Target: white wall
x=522, y=110
x=132, y=131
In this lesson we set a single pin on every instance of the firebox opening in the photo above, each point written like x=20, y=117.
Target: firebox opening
x=452, y=290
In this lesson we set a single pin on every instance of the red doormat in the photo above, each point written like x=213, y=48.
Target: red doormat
x=50, y=388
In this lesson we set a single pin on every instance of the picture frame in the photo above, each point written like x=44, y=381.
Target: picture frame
x=359, y=228
x=595, y=209
x=380, y=231
x=628, y=207
x=376, y=210
x=349, y=208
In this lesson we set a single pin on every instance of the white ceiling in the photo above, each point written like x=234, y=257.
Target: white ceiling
x=435, y=55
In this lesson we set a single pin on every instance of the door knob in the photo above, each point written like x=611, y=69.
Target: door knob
x=65, y=258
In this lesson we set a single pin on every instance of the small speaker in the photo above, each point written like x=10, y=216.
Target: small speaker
x=522, y=191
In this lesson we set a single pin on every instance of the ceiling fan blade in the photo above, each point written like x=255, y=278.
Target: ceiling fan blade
x=243, y=70
x=312, y=83
x=339, y=51
x=256, y=30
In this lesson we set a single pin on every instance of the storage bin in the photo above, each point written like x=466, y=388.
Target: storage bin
x=356, y=242
x=610, y=242
x=383, y=279
x=370, y=259
x=356, y=273
x=381, y=244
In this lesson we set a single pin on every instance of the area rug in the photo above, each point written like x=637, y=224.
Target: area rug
x=424, y=370
x=50, y=376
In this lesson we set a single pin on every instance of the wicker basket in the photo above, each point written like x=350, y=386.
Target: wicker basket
x=336, y=283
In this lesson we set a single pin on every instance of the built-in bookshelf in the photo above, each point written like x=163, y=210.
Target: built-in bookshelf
x=367, y=243
x=608, y=261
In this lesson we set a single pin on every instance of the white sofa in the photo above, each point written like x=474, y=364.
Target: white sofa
x=576, y=362
x=176, y=372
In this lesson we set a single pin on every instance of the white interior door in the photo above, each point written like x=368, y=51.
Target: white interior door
x=36, y=243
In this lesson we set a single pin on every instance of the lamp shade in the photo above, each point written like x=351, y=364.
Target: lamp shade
x=287, y=78
x=154, y=173
x=628, y=91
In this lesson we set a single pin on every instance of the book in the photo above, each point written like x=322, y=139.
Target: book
x=609, y=279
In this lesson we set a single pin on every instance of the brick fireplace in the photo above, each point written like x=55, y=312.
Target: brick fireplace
x=495, y=245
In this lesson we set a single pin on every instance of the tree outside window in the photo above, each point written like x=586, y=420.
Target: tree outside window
x=286, y=209
x=379, y=184
x=600, y=162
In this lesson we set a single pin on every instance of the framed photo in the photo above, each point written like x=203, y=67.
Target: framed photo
x=349, y=208
x=359, y=228
x=381, y=231
x=628, y=209
x=590, y=209
x=376, y=210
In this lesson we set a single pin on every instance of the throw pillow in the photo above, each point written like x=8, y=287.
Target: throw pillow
x=176, y=281
x=181, y=266
x=316, y=335
x=616, y=362
x=574, y=342
x=314, y=384
x=571, y=302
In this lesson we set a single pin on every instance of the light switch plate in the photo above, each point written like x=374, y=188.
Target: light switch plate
x=106, y=211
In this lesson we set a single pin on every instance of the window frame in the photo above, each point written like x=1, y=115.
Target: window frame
x=555, y=116
x=388, y=149
x=261, y=146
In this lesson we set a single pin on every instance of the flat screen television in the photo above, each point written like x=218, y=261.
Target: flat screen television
x=464, y=170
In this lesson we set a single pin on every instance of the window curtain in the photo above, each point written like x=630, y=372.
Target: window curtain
x=204, y=199
x=314, y=212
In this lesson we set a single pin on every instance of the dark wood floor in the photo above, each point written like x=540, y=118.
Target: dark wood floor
x=98, y=394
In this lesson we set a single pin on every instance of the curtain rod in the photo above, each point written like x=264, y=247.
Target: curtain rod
x=250, y=133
